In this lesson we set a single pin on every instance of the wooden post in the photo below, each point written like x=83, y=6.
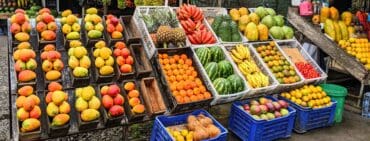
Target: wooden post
x=354, y=67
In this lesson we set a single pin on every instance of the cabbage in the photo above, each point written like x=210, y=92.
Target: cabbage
x=288, y=32
x=268, y=21
x=276, y=32
x=261, y=12
x=270, y=11
x=279, y=20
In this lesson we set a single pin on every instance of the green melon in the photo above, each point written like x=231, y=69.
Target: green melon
x=204, y=55
x=236, y=82
x=222, y=86
x=225, y=68
x=212, y=70
x=217, y=54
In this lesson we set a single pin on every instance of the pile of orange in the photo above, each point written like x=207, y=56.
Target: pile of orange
x=183, y=79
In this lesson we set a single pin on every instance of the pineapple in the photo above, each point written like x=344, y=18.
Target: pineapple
x=164, y=35
x=178, y=37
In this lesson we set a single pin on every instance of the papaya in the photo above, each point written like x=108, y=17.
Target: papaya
x=329, y=28
x=343, y=30
x=346, y=18
x=324, y=14
x=334, y=14
x=263, y=32
x=251, y=32
x=338, y=34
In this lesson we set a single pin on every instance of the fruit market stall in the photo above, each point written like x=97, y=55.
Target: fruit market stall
x=162, y=64
x=351, y=61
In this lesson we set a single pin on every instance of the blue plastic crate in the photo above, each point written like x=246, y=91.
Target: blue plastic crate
x=159, y=132
x=308, y=118
x=249, y=129
x=366, y=105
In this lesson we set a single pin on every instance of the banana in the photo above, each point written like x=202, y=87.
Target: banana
x=236, y=54
x=237, y=60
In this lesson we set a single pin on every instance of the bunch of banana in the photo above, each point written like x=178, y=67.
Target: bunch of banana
x=248, y=67
x=22, y=3
x=240, y=53
x=257, y=80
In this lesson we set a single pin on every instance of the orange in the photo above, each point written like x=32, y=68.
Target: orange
x=133, y=93
x=179, y=99
x=207, y=95
x=176, y=57
x=166, y=61
x=167, y=67
x=183, y=93
x=193, y=84
x=184, y=57
x=161, y=61
x=172, y=61
x=193, y=98
x=180, y=86
x=129, y=86
x=175, y=93
x=176, y=72
x=191, y=68
x=174, y=66
x=180, y=66
x=172, y=87
x=189, y=92
x=164, y=56
x=185, y=66
x=188, y=62
x=172, y=78
x=186, y=99
x=194, y=73
x=188, y=72
x=182, y=71
x=179, y=77
x=200, y=96
x=202, y=89
x=181, y=62
x=196, y=91
x=198, y=81
x=191, y=78
x=169, y=72
x=160, y=56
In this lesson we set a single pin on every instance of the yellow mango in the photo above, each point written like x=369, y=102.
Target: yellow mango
x=263, y=32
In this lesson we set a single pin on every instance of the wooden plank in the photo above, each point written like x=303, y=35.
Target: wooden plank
x=354, y=67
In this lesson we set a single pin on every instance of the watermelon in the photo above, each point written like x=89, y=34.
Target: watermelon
x=217, y=54
x=236, y=83
x=204, y=55
x=225, y=68
x=212, y=70
x=222, y=86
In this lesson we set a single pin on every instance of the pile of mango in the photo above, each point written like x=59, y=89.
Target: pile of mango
x=28, y=110
x=79, y=60
x=46, y=25
x=337, y=28
x=87, y=103
x=52, y=64
x=70, y=25
x=103, y=58
x=93, y=24
x=25, y=63
x=20, y=26
x=57, y=107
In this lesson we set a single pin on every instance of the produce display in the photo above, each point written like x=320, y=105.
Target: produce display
x=163, y=28
x=308, y=96
x=93, y=24
x=307, y=70
x=266, y=109
x=184, y=81
x=359, y=48
x=335, y=26
x=112, y=100
x=114, y=27
x=79, y=60
x=198, y=127
x=70, y=25
x=32, y=11
x=25, y=63
x=283, y=71
x=57, y=107
x=148, y=2
x=192, y=20
x=247, y=65
x=52, y=65
x=133, y=96
x=123, y=56
x=46, y=25
x=20, y=26
x=87, y=103
x=28, y=110
x=219, y=70
x=103, y=59
x=226, y=29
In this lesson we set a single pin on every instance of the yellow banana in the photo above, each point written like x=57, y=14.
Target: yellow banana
x=237, y=60
x=236, y=54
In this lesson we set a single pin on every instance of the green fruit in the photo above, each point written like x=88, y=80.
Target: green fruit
x=236, y=83
x=204, y=55
x=212, y=70
x=80, y=72
x=225, y=68
x=90, y=115
x=94, y=34
x=222, y=86
x=217, y=54
x=73, y=36
x=81, y=104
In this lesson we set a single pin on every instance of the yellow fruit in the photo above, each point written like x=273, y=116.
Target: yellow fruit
x=263, y=32
x=106, y=70
x=71, y=19
x=94, y=103
x=76, y=27
x=78, y=92
x=105, y=53
x=66, y=29
x=79, y=52
x=67, y=12
x=99, y=62
x=243, y=22
x=243, y=11
x=109, y=61
x=100, y=44
x=234, y=14
x=90, y=115
x=92, y=11
x=338, y=34
x=87, y=93
x=81, y=104
x=53, y=75
x=52, y=109
x=254, y=18
x=80, y=72
x=64, y=108
x=324, y=14
x=346, y=17
x=73, y=62
x=334, y=14
x=75, y=43
x=329, y=28
x=251, y=32
x=85, y=62
x=58, y=97
x=96, y=52
x=60, y=120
